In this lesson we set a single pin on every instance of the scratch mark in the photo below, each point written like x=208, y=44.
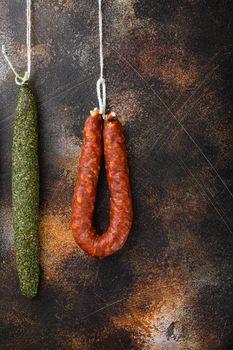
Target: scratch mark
x=177, y=112
x=201, y=82
x=64, y=89
x=222, y=332
x=103, y=308
x=205, y=194
x=180, y=124
x=194, y=103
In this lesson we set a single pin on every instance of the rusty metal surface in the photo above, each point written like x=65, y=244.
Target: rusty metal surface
x=169, y=71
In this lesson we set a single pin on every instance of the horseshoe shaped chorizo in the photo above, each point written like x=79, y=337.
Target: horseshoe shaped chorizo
x=98, y=134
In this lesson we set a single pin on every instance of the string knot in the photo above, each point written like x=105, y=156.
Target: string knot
x=101, y=93
x=22, y=80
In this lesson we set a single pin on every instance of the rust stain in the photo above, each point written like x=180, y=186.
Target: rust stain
x=167, y=63
x=41, y=54
x=56, y=243
x=157, y=309
x=158, y=56
x=127, y=21
x=66, y=5
x=57, y=247
x=69, y=166
x=12, y=317
x=153, y=306
x=163, y=303
x=125, y=104
x=76, y=342
x=182, y=77
x=41, y=57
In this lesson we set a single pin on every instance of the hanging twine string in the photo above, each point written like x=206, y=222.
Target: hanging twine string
x=101, y=85
x=18, y=78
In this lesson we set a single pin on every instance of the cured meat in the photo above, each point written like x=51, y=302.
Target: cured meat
x=99, y=134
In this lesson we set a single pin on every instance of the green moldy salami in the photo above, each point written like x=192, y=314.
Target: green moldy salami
x=25, y=191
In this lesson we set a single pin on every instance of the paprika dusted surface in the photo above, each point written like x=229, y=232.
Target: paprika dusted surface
x=118, y=182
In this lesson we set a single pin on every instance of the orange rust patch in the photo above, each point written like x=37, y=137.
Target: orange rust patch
x=174, y=73
x=66, y=5
x=76, y=341
x=41, y=54
x=165, y=295
x=125, y=103
x=56, y=243
x=69, y=166
x=155, y=304
x=167, y=64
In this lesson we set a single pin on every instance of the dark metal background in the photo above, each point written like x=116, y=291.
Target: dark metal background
x=169, y=73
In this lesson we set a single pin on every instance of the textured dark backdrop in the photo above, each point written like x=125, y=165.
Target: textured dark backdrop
x=169, y=73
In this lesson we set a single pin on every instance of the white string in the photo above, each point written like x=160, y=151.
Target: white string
x=101, y=85
x=18, y=78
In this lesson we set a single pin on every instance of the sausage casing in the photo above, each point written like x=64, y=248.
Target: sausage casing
x=110, y=133
x=25, y=192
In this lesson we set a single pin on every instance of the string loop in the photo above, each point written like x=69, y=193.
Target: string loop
x=101, y=94
x=101, y=84
x=20, y=80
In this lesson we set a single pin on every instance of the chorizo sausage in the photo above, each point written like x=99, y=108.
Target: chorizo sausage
x=121, y=213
